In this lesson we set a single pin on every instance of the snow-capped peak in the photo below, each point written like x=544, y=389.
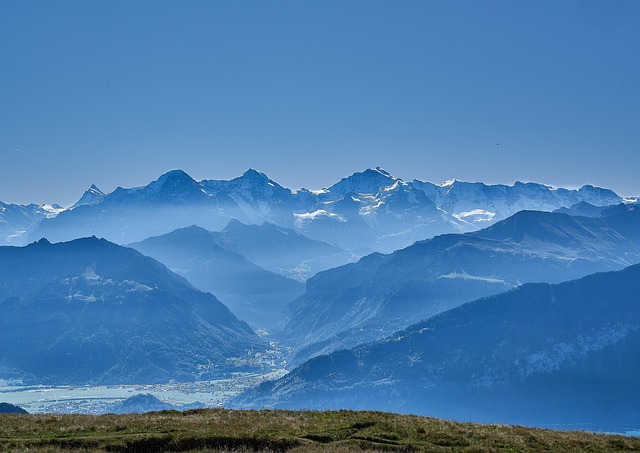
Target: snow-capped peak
x=252, y=173
x=92, y=195
x=370, y=181
x=253, y=180
x=173, y=177
x=382, y=172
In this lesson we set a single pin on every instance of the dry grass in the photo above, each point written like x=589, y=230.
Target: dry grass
x=279, y=431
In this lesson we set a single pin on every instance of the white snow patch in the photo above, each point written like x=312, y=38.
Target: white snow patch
x=394, y=186
x=307, y=217
x=448, y=183
x=318, y=192
x=90, y=274
x=464, y=276
x=371, y=209
x=82, y=297
x=135, y=286
x=475, y=215
x=51, y=210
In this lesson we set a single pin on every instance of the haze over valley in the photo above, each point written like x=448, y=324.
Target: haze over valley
x=244, y=280
x=320, y=226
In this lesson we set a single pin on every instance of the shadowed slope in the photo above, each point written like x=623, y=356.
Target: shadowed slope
x=540, y=354
x=91, y=311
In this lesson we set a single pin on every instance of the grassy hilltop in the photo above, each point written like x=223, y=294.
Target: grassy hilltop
x=225, y=430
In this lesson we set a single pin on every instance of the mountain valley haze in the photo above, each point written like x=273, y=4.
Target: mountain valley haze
x=319, y=226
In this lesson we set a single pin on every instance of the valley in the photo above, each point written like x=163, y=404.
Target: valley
x=245, y=294
x=95, y=400
x=304, y=226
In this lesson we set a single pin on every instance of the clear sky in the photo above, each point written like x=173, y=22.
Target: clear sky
x=118, y=92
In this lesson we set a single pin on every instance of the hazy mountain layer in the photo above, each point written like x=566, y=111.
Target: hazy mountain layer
x=541, y=354
x=380, y=294
x=251, y=292
x=281, y=250
x=582, y=209
x=18, y=221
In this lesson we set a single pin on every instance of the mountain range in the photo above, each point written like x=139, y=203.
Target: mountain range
x=367, y=211
x=18, y=221
x=252, y=293
x=281, y=250
x=89, y=311
x=547, y=355
x=367, y=282
x=379, y=294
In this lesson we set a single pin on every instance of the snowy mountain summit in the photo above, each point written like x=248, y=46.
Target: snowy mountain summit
x=92, y=195
x=370, y=181
x=371, y=210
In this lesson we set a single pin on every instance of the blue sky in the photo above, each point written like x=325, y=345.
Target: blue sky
x=118, y=92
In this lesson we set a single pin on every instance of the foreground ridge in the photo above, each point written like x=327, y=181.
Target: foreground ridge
x=224, y=430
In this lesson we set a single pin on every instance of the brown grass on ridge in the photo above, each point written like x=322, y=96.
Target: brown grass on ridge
x=286, y=431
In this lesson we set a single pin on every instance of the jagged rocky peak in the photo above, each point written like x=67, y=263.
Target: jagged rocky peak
x=378, y=210
x=369, y=181
x=251, y=186
x=378, y=170
x=253, y=179
x=173, y=178
x=449, y=183
x=253, y=174
x=176, y=186
x=91, y=196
